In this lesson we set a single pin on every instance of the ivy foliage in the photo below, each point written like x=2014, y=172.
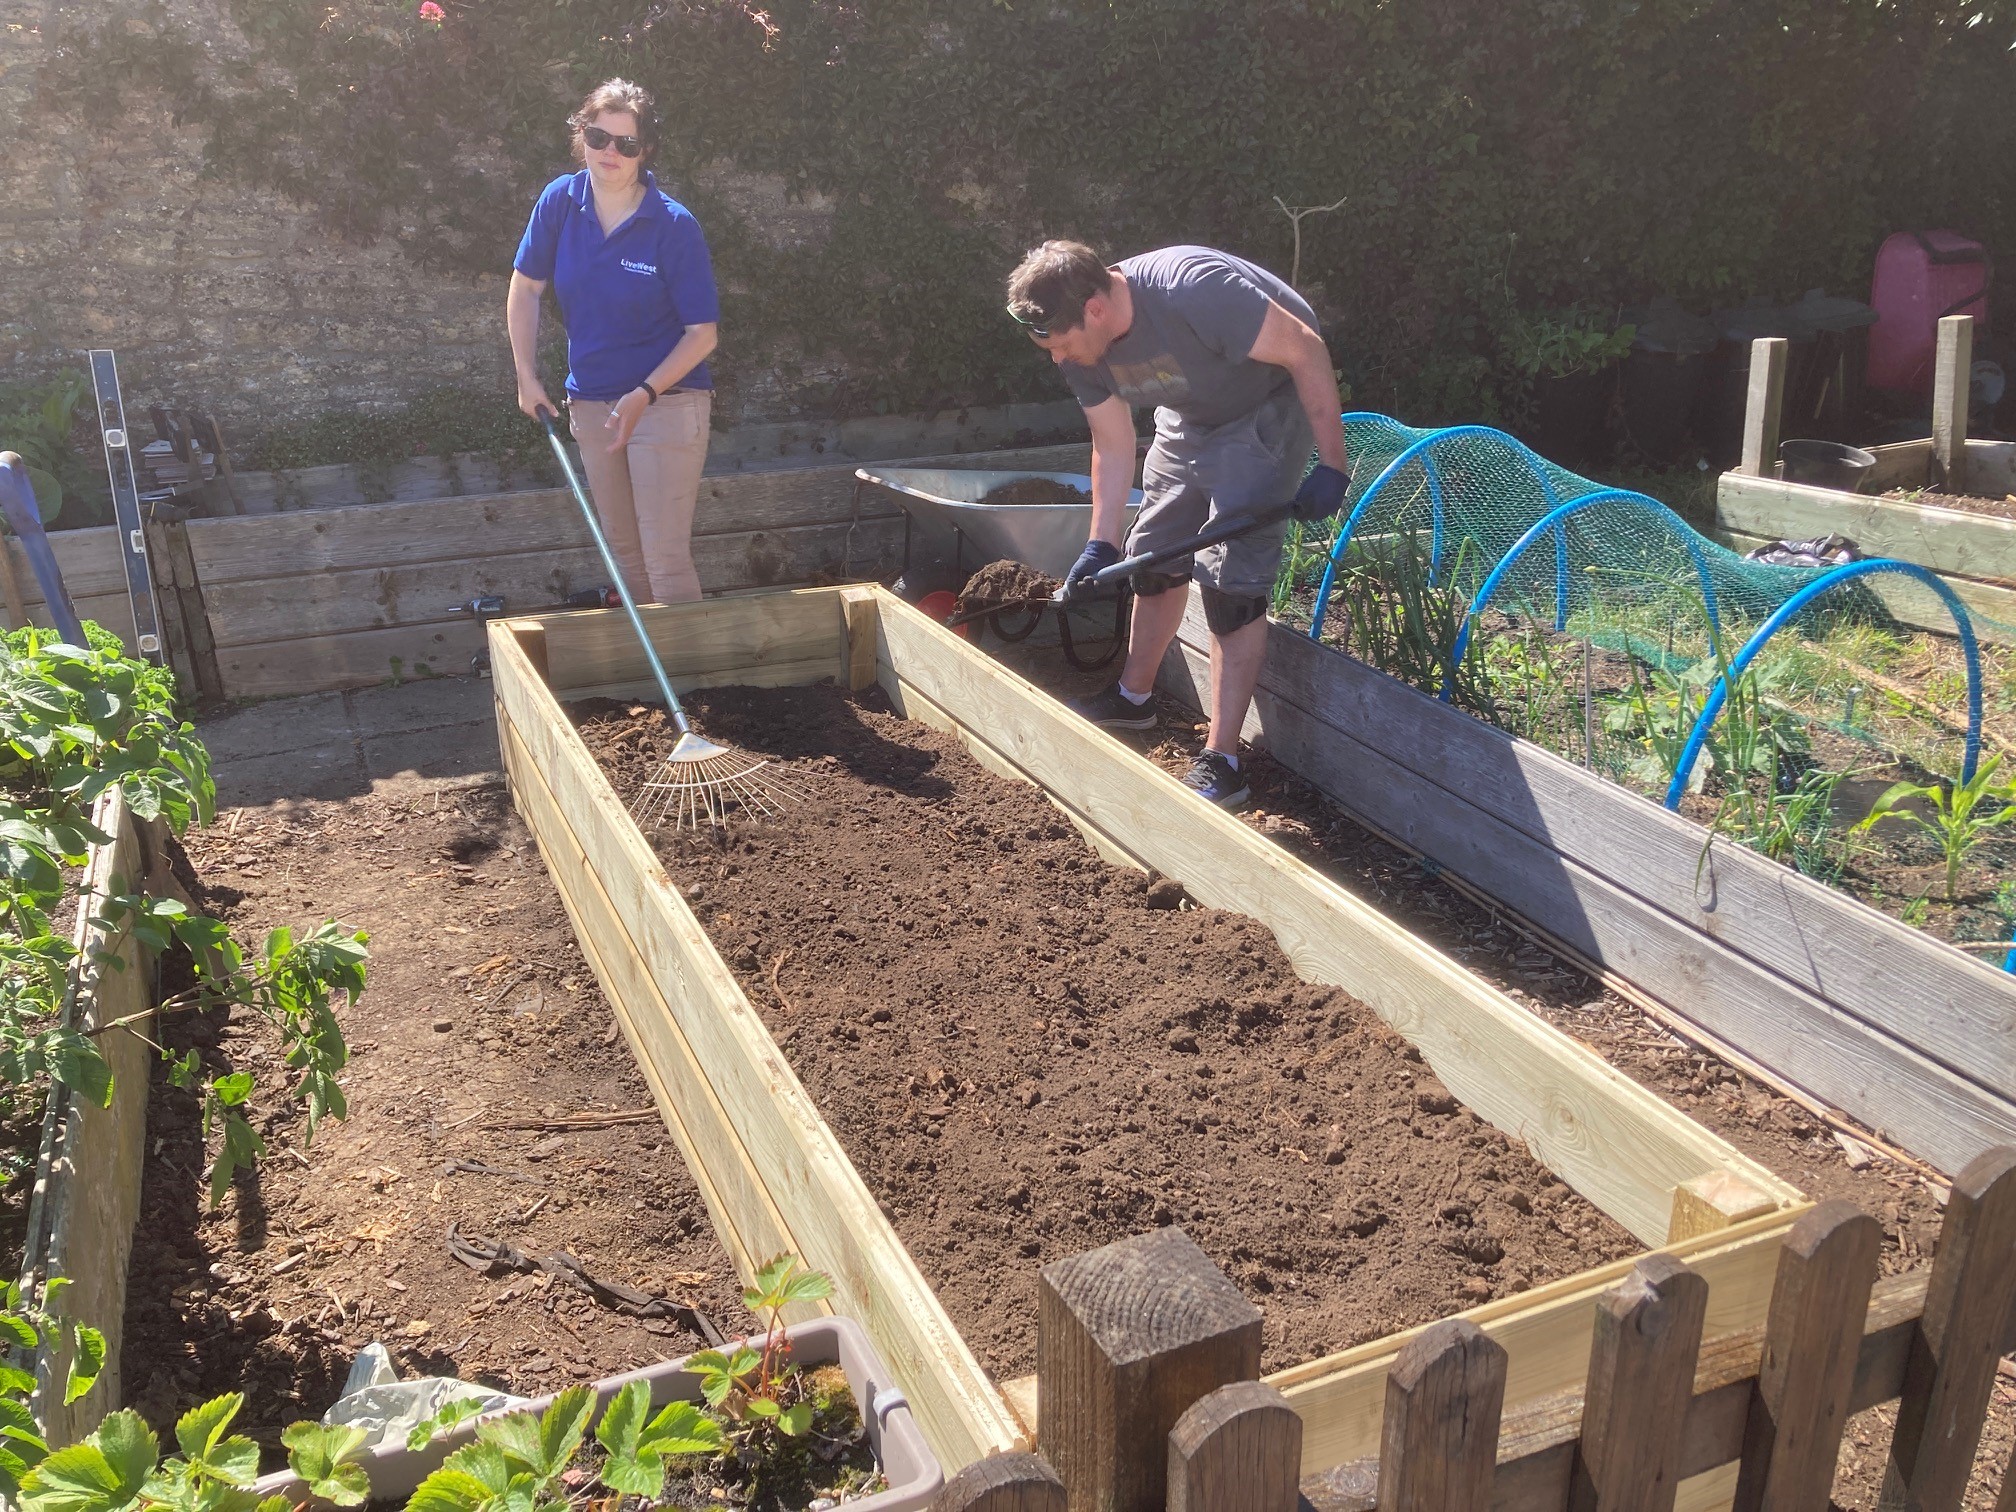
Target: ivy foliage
x=1542, y=152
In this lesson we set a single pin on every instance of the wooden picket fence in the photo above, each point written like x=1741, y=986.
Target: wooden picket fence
x=1149, y=1398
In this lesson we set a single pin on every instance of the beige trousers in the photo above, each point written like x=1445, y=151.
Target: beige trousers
x=646, y=491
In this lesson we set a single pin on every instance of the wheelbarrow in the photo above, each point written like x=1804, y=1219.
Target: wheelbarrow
x=1047, y=537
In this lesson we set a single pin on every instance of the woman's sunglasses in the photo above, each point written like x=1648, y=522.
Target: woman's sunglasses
x=597, y=139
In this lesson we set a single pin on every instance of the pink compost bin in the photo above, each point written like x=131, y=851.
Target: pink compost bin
x=1920, y=277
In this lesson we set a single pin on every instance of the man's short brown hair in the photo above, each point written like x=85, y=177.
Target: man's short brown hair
x=1050, y=287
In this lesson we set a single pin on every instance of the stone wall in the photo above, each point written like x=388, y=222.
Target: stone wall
x=214, y=296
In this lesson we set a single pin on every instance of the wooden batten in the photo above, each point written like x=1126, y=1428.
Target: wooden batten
x=771, y=1171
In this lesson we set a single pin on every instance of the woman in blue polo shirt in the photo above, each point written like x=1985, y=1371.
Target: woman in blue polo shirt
x=636, y=292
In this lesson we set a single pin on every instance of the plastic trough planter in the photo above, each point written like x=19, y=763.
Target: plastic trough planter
x=913, y=1471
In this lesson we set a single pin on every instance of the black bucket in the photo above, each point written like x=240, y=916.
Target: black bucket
x=1825, y=464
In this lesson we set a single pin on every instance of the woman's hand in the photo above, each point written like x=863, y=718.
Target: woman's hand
x=532, y=397
x=623, y=417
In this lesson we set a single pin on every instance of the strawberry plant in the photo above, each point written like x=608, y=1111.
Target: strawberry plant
x=747, y=1384
x=77, y=722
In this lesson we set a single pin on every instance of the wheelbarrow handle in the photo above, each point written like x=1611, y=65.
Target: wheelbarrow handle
x=1224, y=530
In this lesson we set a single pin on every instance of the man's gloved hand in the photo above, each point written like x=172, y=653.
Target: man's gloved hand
x=1322, y=493
x=1095, y=556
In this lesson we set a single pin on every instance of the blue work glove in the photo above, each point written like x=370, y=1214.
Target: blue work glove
x=1322, y=493
x=1095, y=556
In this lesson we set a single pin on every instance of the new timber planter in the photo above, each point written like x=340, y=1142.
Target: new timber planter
x=776, y=1178
x=899, y=1447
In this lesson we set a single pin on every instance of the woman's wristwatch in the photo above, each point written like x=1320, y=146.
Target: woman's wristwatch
x=646, y=386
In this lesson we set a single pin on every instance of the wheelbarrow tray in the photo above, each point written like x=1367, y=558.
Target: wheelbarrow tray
x=1047, y=537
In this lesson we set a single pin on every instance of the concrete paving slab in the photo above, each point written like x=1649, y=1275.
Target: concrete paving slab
x=420, y=734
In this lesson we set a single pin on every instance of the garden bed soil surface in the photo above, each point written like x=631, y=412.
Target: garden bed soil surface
x=1771, y=1128
x=1029, y=1053
x=480, y=1018
x=1925, y=498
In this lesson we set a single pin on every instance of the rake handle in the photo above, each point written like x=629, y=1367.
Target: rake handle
x=615, y=572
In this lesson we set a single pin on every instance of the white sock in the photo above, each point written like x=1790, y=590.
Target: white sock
x=1225, y=756
x=1137, y=699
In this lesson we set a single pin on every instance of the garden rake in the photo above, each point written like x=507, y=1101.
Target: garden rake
x=699, y=781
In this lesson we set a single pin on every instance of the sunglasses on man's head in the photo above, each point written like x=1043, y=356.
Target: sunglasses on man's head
x=597, y=139
x=1037, y=326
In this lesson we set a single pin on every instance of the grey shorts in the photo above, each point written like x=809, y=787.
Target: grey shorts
x=1193, y=478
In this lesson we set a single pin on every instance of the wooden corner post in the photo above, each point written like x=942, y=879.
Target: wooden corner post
x=1128, y=1337
x=1952, y=381
x=861, y=616
x=1767, y=399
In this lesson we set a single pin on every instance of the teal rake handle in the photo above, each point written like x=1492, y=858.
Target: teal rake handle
x=615, y=572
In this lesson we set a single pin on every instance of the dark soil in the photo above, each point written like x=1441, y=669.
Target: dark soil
x=1035, y=491
x=1004, y=583
x=1971, y=503
x=479, y=1015
x=1029, y=1053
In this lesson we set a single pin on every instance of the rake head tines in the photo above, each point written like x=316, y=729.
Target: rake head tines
x=703, y=783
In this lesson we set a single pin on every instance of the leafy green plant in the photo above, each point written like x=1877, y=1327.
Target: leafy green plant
x=745, y=1383
x=637, y=1446
x=1558, y=343
x=1793, y=823
x=36, y=420
x=1958, y=816
x=452, y=1415
x=1392, y=615
x=77, y=722
x=24, y=1325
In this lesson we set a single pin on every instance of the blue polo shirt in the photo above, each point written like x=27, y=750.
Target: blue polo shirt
x=626, y=299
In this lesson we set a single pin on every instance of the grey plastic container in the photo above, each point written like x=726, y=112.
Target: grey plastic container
x=898, y=1443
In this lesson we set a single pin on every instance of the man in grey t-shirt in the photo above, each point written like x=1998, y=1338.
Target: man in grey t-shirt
x=1230, y=358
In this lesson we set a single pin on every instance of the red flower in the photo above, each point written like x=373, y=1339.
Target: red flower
x=432, y=13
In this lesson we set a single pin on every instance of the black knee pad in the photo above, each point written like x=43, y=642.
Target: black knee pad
x=1226, y=612
x=1147, y=583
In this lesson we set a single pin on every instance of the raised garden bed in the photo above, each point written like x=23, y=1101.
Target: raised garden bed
x=777, y=1176
x=1906, y=1034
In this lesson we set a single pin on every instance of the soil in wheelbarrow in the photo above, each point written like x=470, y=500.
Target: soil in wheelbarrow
x=1035, y=491
x=1002, y=583
x=1029, y=1053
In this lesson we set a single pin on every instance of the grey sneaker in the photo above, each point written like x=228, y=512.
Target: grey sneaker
x=1212, y=778
x=1114, y=710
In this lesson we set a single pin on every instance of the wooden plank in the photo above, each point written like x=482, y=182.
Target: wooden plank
x=1901, y=464
x=1002, y=1483
x=1992, y=607
x=1991, y=468
x=1952, y=379
x=1812, y=1343
x=304, y=542
x=858, y=641
x=1949, y=541
x=1439, y=1448
x=715, y=636
x=87, y=1192
x=1237, y=1450
x=90, y=561
x=1965, y=1328
x=1953, y=1020
x=276, y=609
x=1763, y=405
x=834, y=1222
x=1641, y=1379
x=1610, y=1139
x=1547, y=1333
x=1129, y=1337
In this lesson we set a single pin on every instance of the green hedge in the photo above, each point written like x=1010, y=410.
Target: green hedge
x=1523, y=151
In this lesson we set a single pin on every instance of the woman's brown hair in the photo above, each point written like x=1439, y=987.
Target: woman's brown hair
x=615, y=95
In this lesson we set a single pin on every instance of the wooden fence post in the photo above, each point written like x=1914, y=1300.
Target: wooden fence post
x=1952, y=382
x=1438, y=1448
x=1641, y=1380
x=1961, y=1336
x=1127, y=1337
x=1002, y=1483
x=1767, y=399
x=1237, y=1450
x=1812, y=1339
